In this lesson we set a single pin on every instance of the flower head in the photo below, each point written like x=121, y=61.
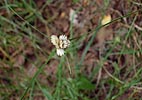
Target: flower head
x=60, y=52
x=60, y=43
x=64, y=42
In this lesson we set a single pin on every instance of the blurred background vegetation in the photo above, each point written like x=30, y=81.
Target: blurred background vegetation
x=103, y=62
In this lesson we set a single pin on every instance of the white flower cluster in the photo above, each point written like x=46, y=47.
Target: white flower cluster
x=60, y=43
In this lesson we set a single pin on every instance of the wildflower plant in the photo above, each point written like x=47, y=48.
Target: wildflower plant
x=60, y=43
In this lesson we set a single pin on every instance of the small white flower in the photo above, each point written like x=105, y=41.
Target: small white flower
x=60, y=43
x=64, y=42
x=63, y=37
x=60, y=52
x=55, y=40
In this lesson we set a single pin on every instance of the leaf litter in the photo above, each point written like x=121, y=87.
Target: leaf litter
x=58, y=17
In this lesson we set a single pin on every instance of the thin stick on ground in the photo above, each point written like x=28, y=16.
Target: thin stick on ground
x=116, y=79
x=6, y=54
x=68, y=64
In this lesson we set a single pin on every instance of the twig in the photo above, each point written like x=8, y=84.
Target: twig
x=138, y=27
x=5, y=54
x=119, y=13
x=99, y=76
x=136, y=87
x=17, y=51
x=68, y=66
x=116, y=79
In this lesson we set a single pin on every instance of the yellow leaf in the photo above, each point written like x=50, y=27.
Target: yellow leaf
x=106, y=19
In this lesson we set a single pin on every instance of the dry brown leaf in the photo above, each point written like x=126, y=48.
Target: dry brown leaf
x=103, y=35
x=62, y=15
x=19, y=60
